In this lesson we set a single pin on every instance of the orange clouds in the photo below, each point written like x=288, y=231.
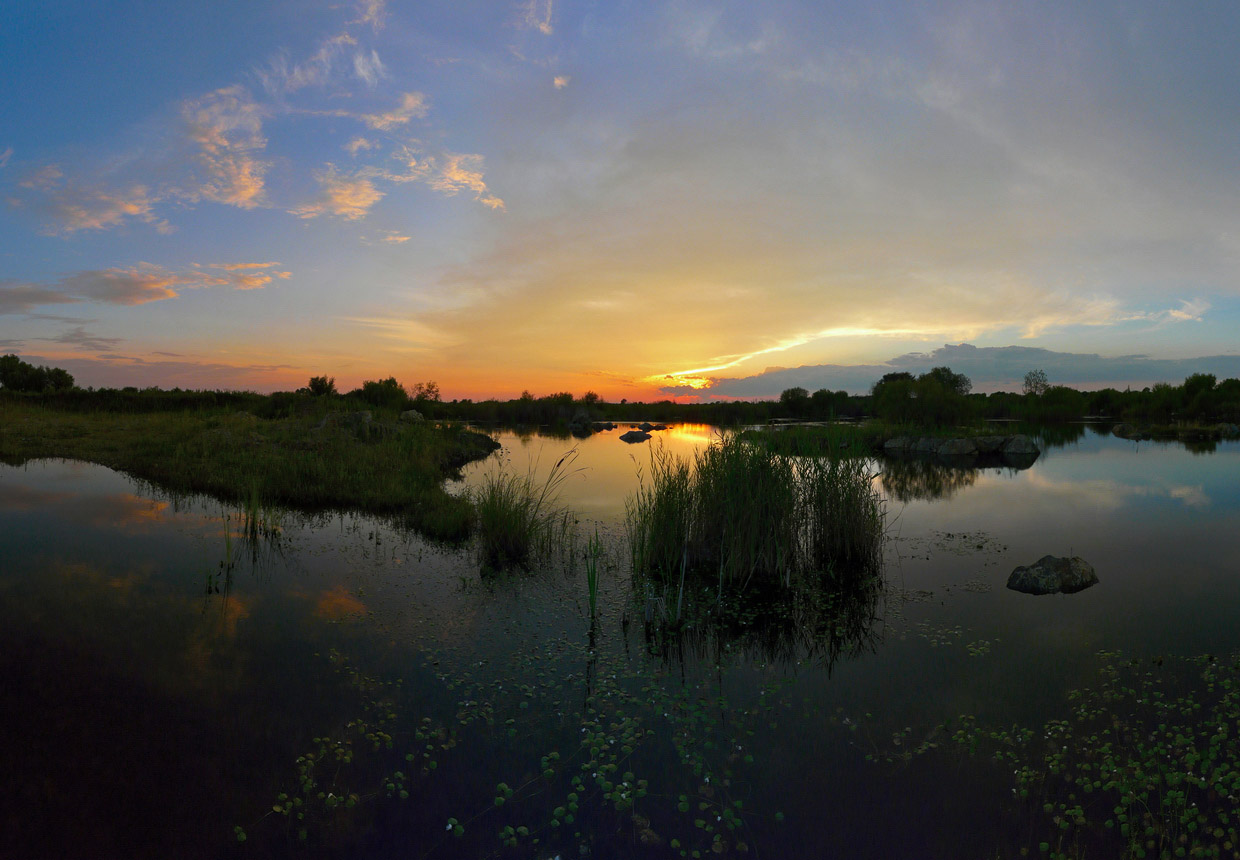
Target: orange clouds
x=343, y=196
x=134, y=285
x=227, y=127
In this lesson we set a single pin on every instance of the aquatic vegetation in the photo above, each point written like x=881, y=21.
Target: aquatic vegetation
x=519, y=518
x=744, y=512
x=1146, y=763
x=594, y=554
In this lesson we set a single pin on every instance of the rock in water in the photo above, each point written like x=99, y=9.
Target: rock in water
x=634, y=436
x=1053, y=575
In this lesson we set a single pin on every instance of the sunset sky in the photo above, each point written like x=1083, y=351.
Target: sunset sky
x=633, y=198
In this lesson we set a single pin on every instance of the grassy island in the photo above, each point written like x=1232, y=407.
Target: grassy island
x=305, y=454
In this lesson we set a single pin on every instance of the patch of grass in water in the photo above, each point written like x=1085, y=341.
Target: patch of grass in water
x=520, y=519
x=743, y=512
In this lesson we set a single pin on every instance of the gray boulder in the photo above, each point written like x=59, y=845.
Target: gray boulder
x=411, y=416
x=897, y=445
x=927, y=445
x=989, y=444
x=1020, y=444
x=634, y=436
x=957, y=448
x=1053, y=575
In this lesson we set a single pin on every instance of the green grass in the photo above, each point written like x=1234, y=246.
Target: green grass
x=297, y=462
x=742, y=511
x=520, y=519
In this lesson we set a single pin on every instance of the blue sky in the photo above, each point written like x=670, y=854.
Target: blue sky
x=622, y=197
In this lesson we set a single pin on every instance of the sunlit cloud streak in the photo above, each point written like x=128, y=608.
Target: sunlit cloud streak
x=989, y=368
x=135, y=285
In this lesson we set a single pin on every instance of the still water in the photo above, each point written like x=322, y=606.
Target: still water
x=177, y=684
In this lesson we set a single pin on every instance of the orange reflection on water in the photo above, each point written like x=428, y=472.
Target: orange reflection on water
x=338, y=604
x=693, y=434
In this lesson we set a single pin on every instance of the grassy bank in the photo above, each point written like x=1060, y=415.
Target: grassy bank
x=305, y=462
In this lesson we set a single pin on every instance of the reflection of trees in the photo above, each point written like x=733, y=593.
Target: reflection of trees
x=1054, y=435
x=908, y=479
x=824, y=620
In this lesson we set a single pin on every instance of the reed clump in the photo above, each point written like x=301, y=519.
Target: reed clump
x=519, y=517
x=743, y=512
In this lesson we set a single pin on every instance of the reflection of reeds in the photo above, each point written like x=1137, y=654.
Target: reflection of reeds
x=520, y=518
x=743, y=511
x=823, y=619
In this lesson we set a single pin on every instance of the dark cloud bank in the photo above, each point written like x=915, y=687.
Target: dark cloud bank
x=993, y=368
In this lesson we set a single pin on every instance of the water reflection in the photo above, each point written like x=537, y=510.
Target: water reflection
x=822, y=621
x=908, y=479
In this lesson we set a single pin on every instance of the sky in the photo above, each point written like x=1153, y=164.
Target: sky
x=643, y=199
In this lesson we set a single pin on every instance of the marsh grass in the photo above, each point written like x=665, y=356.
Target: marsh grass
x=594, y=555
x=301, y=462
x=520, y=519
x=742, y=511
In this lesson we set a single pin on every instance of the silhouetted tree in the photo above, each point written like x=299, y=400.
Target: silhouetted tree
x=1036, y=382
x=322, y=385
x=425, y=392
x=18, y=375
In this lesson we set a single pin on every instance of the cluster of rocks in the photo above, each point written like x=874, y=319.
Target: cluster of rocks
x=1017, y=450
x=642, y=433
x=1053, y=575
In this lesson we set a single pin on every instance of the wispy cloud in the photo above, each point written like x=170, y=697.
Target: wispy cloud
x=82, y=339
x=537, y=15
x=368, y=67
x=560, y=81
x=47, y=176
x=281, y=78
x=5, y=156
x=250, y=276
x=91, y=209
x=412, y=104
x=348, y=197
x=459, y=172
x=359, y=144
x=395, y=238
x=227, y=128
x=372, y=12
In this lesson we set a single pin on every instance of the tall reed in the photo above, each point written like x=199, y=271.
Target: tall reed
x=744, y=520
x=743, y=511
x=520, y=519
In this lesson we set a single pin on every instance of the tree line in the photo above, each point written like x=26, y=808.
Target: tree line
x=937, y=397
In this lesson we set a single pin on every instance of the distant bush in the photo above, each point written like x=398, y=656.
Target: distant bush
x=383, y=394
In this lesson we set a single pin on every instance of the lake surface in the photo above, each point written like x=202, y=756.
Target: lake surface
x=332, y=687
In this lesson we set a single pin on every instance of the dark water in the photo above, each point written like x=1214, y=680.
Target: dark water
x=168, y=678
